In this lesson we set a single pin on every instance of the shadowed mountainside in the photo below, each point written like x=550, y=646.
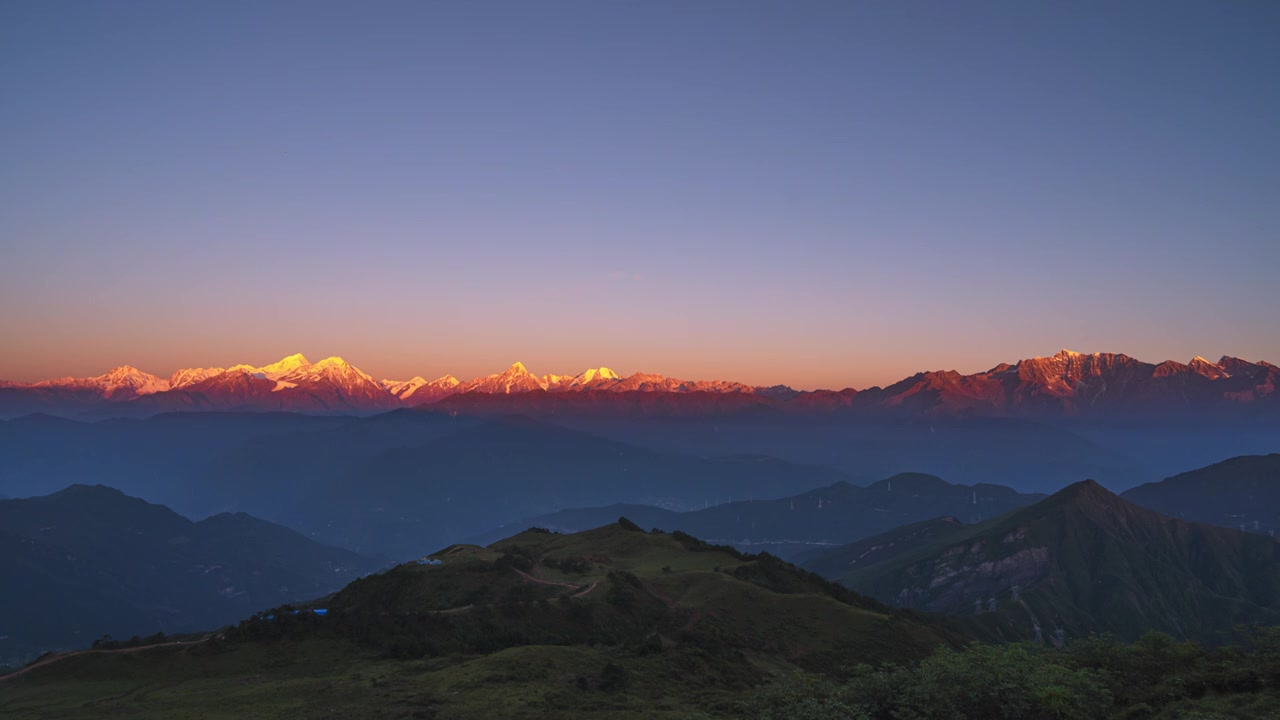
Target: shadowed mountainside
x=1242, y=493
x=1084, y=560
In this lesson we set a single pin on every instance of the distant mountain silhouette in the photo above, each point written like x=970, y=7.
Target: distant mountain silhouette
x=401, y=499
x=831, y=515
x=90, y=560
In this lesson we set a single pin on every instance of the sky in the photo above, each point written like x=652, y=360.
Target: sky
x=818, y=194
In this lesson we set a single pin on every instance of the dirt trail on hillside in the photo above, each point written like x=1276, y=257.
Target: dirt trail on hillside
x=452, y=611
x=581, y=589
x=540, y=581
x=51, y=660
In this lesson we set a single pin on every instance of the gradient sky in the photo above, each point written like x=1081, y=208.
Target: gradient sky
x=821, y=194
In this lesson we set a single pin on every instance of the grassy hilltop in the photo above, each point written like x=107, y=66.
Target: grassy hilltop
x=610, y=622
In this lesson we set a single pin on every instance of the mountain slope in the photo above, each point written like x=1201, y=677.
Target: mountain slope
x=840, y=561
x=143, y=568
x=56, y=599
x=1243, y=493
x=1084, y=560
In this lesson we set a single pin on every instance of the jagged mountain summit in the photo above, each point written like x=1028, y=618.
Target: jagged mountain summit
x=274, y=371
x=1072, y=383
x=1064, y=384
x=514, y=379
x=421, y=390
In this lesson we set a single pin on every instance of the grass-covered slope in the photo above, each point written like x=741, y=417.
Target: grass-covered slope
x=610, y=622
x=619, y=584
x=1085, y=560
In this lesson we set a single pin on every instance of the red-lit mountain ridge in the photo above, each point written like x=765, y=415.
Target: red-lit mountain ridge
x=1064, y=384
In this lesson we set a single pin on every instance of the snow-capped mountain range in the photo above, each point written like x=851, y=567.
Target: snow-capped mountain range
x=1067, y=383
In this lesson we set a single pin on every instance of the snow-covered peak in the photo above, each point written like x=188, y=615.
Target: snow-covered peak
x=436, y=389
x=328, y=368
x=1211, y=370
x=131, y=379
x=125, y=371
x=403, y=388
x=125, y=382
x=191, y=376
x=514, y=379
x=600, y=373
x=389, y=384
x=333, y=361
x=590, y=379
x=284, y=366
x=1065, y=355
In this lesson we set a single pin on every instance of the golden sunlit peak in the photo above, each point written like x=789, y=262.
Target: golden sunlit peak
x=293, y=362
x=600, y=373
x=517, y=366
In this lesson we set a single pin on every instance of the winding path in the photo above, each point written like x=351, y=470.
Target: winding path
x=581, y=589
x=55, y=658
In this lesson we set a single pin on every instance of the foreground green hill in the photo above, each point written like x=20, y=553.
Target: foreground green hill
x=1081, y=561
x=610, y=622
